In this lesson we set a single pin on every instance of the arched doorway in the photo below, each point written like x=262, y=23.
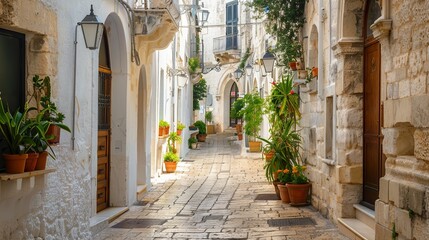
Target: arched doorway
x=233, y=95
x=104, y=130
x=373, y=158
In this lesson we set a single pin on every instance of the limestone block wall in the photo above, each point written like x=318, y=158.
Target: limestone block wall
x=403, y=204
x=58, y=205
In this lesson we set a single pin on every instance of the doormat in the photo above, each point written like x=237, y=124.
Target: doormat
x=291, y=222
x=187, y=160
x=138, y=223
x=270, y=196
x=213, y=217
x=141, y=203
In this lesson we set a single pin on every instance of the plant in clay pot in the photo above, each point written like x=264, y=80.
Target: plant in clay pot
x=42, y=95
x=170, y=161
x=253, y=112
x=202, y=130
x=299, y=187
x=192, y=143
x=173, y=138
x=164, y=128
x=180, y=127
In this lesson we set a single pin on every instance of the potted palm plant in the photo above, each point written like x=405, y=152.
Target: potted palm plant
x=14, y=129
x=42, y=94
x=202, y=132
x=238, y=114
x=170, y=161
x=209, y=120
x=180, y=127
x=252, y=112
x=173, y=138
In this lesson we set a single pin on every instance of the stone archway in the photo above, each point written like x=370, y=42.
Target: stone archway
x=120, y=186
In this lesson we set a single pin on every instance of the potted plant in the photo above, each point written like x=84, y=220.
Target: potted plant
x=171, y=143
x=170, y=161
x=193, y=65
x=14, y=129
x=192, y=143
x=299, y=187
x=164, y=128
x=284, y=177
x=180, y=127
x=252, y=112
x=202, y=132
x=209, y=120
x=42, y=94
x=238, y=114
x=314, y=72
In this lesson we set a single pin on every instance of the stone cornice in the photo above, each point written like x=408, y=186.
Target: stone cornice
x=381, y=28
x=348, y=46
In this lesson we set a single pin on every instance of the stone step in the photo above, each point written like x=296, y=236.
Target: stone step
x=365, y=215
x=355, y=229
x=102, y=219
x=141, y=190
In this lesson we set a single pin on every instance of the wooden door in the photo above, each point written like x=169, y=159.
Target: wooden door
x=103, y=145
x=373, y=164
x=233, y=95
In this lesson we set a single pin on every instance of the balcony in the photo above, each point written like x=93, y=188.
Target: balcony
x=227, y=49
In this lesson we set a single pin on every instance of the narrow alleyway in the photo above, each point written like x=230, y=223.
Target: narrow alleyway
x=212, y=195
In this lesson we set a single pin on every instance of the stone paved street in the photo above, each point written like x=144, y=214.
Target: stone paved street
x=212, y=196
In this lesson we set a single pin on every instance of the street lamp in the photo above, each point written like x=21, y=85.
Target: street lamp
x=237, y=74
x=249, y=69
x=203, y=15
x=92, y=30
x=268, y=61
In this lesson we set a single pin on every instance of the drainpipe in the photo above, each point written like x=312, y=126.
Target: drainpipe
x=320, y=50
x=334, y=108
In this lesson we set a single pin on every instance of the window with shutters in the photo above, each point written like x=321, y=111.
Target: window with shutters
x=231, y=25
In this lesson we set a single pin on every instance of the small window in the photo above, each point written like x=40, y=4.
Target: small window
x=329, y=128
x=12, y=69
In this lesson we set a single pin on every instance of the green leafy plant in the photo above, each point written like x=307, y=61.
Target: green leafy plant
x=173, y=137
x=284, y=19
x=298, y=176
x=42, y=94
x=201, y=127
x=192, y=140
x=163, y=123
x=171, y=157
x=236, y=108
x=394, y=233
x=193, y=64
x=209, y=116
x=244, y=59
x=15, y=130
x=199, y=93
x=180, y=126
x=252, y=112
x=284, y=175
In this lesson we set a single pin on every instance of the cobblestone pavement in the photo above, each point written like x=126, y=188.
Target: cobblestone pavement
x=212, y=196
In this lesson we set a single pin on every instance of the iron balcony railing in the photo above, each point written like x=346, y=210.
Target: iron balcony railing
x=226, y=43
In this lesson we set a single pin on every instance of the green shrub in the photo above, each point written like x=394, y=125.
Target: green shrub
x=201, y=127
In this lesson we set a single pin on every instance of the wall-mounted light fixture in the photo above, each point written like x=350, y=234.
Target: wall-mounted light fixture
x=237, y=74
x=92, y=31
x=268, y=61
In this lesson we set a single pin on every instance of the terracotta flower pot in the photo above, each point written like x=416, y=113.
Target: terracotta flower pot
x=31, y=162
x=240, y=136
x=15, y=163
x=179, y=132
x=239, y=128
x=55, y=131
x=314, y=72
x=269, y=155
x=41, y=162
x=292, y=66
x=160, y=131
x=170, y=167
x=284, y=194
x=201, y=137
x=167, y=130
x=255, y=146
x=299, y=193
x=276, y=188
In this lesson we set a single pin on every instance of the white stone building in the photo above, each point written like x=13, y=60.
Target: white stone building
x=109, y=158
